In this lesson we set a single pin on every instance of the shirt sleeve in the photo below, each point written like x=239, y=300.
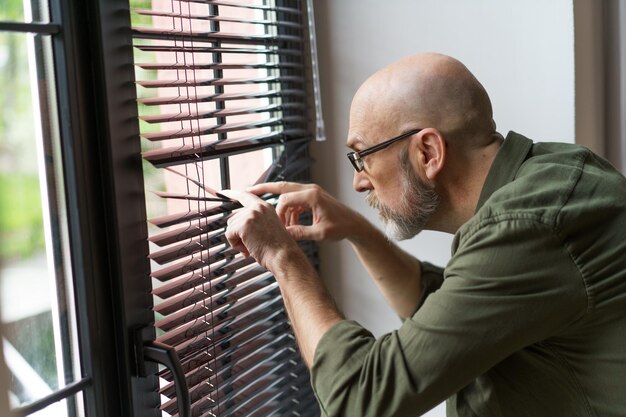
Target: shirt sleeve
x=510, y=284
x=432, y=279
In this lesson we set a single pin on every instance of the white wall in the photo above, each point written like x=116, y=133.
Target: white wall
x=522, y=52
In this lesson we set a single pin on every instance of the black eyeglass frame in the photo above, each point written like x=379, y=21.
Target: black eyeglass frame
x=355, y=157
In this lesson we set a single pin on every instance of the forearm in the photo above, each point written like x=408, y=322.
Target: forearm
x=310, y=308
x=396, y=273
x=256, y=230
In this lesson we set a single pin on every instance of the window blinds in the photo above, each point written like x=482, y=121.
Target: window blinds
x=221, y=87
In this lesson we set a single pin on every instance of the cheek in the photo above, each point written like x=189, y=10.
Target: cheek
x=390, y=192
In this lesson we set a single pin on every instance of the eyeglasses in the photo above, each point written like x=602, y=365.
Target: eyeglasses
x=356, y=157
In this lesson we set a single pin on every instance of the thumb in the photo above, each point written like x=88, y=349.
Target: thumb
x=299, y=232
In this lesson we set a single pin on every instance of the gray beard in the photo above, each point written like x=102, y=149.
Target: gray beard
x=418, y=202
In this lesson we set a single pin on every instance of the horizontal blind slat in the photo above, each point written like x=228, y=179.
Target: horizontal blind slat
x=204, y=82
x=190, y=16
x=226, y=128
x=237, y=111
x=196, y=49
x=188, y=197
x=207, y=36
x=171, y=156
x=282, y=9
x=184, y=66
x=219, y=97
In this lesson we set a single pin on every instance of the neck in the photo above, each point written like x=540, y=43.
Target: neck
x=460, y=187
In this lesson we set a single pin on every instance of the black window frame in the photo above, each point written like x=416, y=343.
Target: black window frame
x=92, y=61
x=103, y=181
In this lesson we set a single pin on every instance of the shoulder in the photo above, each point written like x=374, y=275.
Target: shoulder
x=552, y=177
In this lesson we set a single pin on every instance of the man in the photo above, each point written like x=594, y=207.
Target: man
x=529, y=316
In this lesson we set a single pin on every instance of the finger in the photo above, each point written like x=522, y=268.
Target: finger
x=303, y=232
x=288, y=214
x=279, y=187
x=295, y=216
x=236, y=243
x=289, y=217
x=302, y=199
x=233, y=236
x=281, y=211
x=298, y=201
x=246, y=199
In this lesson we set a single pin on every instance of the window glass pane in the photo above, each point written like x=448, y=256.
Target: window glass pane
x=24, y=11
x=38, y=317
x=248, y=167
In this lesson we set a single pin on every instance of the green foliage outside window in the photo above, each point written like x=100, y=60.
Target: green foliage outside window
x=12, y=10
x=21, y=224
x=20, y=216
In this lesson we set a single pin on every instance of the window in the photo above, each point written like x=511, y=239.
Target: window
x=221, y=89
x=39, y=315
x=135, y=253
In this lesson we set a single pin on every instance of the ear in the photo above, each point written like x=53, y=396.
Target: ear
x=431, y=151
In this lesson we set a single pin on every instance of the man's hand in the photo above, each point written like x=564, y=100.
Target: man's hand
x=331, y=219
x=256, y=231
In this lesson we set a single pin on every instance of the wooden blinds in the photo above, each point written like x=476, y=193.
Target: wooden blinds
x=222, y=104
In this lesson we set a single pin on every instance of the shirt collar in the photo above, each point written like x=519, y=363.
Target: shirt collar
x=509, y=158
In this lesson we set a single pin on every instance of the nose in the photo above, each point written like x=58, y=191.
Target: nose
x=361, y=182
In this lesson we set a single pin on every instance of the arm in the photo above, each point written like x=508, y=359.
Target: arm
x=396, y=273
x=310, y=308
x=256, y=231
x=509, y=286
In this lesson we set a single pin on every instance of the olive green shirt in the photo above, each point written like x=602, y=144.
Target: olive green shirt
x=527, y=319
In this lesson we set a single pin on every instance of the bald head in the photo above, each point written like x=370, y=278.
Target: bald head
x=427, y=90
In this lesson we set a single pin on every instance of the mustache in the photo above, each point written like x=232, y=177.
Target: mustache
x=372, y=200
